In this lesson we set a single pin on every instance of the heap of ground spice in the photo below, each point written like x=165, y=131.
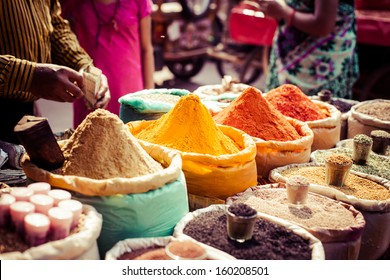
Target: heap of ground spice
x=318, y=212
x=379, y=110
x=292, y=102
x=102, y=147
x=251, y=113
x=269, y=241
x=354, y=185
x=189, y=127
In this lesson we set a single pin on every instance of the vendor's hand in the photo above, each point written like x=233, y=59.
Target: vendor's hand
x=55, y=82
x=273, y=8
x=103, y=96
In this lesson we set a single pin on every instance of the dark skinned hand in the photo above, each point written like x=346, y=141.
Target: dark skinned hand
x=57, y=83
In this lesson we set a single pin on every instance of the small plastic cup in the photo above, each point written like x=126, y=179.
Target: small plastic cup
x=362, y=145
x=240, y=221
x=6, y=200
x=185, y=250
x=297, y=188
x=39, y=187
x=43, y=203
x=22, y=193
x=337, y=168
x=380, y=141
x=60, y=222
x=37, y=227
x=59, y=195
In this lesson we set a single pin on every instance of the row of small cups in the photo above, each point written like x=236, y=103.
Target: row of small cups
x=38, y=213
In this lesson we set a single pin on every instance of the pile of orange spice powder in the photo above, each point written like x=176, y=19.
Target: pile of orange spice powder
x=251, y=113
x=292, y=102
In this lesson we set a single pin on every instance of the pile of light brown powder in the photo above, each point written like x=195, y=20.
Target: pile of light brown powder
x=102, y=147
x=318, y=212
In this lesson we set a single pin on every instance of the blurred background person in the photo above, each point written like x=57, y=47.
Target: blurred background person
x=39, y=58
x=315, y=45
x=117, y=35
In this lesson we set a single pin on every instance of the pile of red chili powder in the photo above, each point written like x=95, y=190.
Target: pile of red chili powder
x=291, y=101
x=251, y=113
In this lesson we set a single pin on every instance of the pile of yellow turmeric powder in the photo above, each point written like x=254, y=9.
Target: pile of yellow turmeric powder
x=188, y=127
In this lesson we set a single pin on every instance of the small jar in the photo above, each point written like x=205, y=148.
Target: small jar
x=75, y=206
x=185, y=250
x=60, y=222
x=18, y=211
x=325, y=96
x=380, y=141
x=6, y=200
x=37, y=227
x=337, y=168
x=22, y=193
x=39, y=187
x=297, y=188
x=42, y=203
x=240, y=221
x=59, y=195
x=361, y=148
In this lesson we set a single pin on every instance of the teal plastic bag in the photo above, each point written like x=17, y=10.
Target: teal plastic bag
x=151, y=214
x=133, y=107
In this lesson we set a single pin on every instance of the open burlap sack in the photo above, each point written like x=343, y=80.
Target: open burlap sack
x=131, y=244
x=326, y=131
x=339, y=244
x=77, y=246
x=376, y=235
x=128, y=205
x=271, y=154
x=217, y=176
x=359, y=123
x=112, y=186
x=317, y=252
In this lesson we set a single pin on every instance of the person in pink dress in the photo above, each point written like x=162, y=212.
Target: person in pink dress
x=117, y=35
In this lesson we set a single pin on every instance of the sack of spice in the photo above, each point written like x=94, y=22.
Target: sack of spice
x=339, y=226
x=366, y=193
x=376, y=165
x=218, y=160
x=368, y=116
x=279, y=140
x=324, y=119
x=80, y=245
x=148, y=104
x=293, y=242
x=132, y=248
x=108, y=168
x=344, y=106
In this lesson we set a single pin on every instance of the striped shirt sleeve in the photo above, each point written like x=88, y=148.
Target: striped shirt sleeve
x=65, y=47
x=15, y=77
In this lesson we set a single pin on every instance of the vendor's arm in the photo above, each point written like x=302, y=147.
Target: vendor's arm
x=319, y=23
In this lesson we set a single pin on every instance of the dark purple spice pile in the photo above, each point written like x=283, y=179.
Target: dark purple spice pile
x=242, y=210
x=342, y=106
x=269, y=241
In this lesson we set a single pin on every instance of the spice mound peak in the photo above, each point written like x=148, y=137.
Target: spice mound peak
x=102, y=147
x=189, y=127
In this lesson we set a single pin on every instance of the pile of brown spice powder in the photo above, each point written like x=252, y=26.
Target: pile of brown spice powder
x=318, y=211
x=102, y=147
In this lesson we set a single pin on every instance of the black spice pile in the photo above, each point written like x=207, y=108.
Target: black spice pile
x=269, y=242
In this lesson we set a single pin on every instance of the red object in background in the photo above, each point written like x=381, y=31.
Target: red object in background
x=250, y=26
x=372, y=4
x=373, y=27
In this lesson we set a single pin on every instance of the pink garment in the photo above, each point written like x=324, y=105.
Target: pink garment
x=116, y=51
